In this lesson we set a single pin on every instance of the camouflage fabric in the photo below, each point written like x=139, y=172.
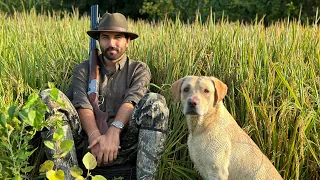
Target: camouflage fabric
x=71, y=129
x=151, y=114
x=142, y=140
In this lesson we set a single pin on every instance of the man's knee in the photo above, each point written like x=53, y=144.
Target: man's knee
x=152, y=112
x=63, y=110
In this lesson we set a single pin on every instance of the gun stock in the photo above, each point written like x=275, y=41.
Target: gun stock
x=94, y=77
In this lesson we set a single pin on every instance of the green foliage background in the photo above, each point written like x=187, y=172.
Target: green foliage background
x=272, y=75
x=243, y=10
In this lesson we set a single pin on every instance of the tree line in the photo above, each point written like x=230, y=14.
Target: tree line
x=186, y=10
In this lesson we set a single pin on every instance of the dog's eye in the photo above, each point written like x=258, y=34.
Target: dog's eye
x=186, y=89
x=206, y=91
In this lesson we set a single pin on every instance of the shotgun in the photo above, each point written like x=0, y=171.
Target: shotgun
x=94, y=76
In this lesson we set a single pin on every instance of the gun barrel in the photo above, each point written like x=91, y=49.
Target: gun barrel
x=93, y=25
x=94, y=76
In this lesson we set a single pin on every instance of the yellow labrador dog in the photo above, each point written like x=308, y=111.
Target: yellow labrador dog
x=218, y=146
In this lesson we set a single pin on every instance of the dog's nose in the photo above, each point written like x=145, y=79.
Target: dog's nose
x=193, y=102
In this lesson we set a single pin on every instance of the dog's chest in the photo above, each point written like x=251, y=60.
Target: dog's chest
x=197, y=149
x=202, y=148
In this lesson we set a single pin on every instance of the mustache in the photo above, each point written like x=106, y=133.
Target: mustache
x=111, y=48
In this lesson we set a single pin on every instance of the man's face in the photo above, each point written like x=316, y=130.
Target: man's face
x=113, y=45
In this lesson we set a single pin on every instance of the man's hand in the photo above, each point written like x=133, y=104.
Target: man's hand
x=95, y=149
x=108, y=146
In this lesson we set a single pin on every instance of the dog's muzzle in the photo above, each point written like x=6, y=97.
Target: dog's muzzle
x=192, y=105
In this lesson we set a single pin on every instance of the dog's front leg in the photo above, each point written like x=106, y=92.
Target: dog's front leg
x=217, y=177
x=219, y=170
x=219, y=173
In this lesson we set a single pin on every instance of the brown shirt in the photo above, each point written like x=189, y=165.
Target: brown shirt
x=128, y=84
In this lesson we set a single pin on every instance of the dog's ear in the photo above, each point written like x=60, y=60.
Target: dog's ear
x=176, y=90
x=220, y=89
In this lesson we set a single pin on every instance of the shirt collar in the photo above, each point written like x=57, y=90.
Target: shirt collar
x=119, y=65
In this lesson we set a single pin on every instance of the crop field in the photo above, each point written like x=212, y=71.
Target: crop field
x=272, y=74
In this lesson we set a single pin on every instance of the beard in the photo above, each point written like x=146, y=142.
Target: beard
x=112, y=53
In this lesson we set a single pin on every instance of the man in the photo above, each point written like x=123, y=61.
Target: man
x=137, y=120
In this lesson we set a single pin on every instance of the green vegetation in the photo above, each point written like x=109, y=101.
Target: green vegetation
x=18, y=125
x=62, y=147
x=243, y=10
x=272, y=76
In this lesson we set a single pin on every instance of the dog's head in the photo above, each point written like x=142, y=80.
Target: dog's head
x=198, y=94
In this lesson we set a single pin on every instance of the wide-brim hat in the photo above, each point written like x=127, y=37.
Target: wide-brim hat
x=112, y=22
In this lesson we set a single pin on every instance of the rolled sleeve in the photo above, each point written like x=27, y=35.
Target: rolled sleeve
x=80, y=86
x=138, y=87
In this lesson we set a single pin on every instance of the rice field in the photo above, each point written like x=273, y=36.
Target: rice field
x=272, y=74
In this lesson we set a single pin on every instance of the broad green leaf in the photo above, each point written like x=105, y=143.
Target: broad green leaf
x=32, y=99
x=80, y=178
x=32, y=116
x=24, y=115
x=12, y=111
x=41, y=176
x=55, y=175
x=27, y=169
x=54, y=94
x=39, y=119
x=89, y=161
x=3, y=120
x=17, y=177
x=66, y=145
x=58, y=135
x=98, y=177
x=49, y=144
x=75, y=171
x=46, y=166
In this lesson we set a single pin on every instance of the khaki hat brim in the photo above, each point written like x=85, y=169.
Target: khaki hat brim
x=95, y=33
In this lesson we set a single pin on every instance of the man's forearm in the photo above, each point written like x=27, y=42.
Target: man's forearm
x=124, y=113
x=89, y=123
x=88, y=120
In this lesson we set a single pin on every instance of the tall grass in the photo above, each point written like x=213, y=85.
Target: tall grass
x=272, y=73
